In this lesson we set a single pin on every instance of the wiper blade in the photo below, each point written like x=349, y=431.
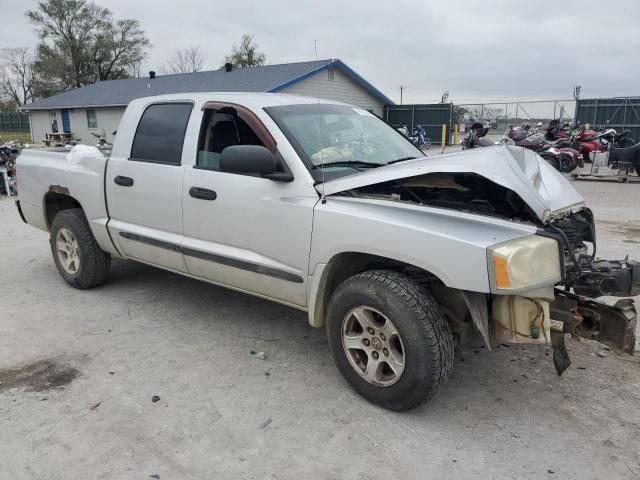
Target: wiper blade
x=348, y=163
x=403, y=159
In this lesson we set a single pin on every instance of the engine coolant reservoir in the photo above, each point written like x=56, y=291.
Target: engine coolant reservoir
x=521, y=320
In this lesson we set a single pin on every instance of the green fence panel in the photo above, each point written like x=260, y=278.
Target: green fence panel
x=618, y=113
x=430, y=116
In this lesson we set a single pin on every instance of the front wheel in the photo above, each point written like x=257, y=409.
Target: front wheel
x=427, y=144
x=78, y=257
x=389, y=339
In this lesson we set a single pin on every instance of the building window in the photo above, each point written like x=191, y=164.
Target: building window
x=92, y=119
x=332, y=73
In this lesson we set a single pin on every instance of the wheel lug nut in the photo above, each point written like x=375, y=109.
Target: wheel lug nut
x=375, y=355
x=382, y=337
x=370, y=330
x=386, y=352
x=366, y=342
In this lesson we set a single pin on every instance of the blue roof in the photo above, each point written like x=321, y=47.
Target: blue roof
x=266, y=78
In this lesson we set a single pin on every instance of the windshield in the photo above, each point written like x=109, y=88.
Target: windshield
x=336, y=140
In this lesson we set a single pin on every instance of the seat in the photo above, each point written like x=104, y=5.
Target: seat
x=223, y=134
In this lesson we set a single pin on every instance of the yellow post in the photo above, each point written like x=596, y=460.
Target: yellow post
x=444, y=134
x=455, y=134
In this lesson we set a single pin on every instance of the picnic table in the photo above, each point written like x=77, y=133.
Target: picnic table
x=57, y=138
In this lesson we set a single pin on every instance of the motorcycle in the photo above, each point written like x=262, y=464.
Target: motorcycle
x=563, y=158
x=418, y=136
x=8, y=182
x=102, y=139
x=475, y=137
x=618, y=140
x=585, y=141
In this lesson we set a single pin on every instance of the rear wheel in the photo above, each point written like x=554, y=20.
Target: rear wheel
x=389, y=339
x=77, y=255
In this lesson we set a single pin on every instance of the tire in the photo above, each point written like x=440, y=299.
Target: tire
x=424, y=339
x=427, y=144
x=79, y=259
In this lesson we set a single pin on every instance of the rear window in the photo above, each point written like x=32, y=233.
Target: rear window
x=160, y=133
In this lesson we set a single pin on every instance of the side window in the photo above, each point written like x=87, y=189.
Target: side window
x=92, y=119
x=160, y=133
x=221, y=129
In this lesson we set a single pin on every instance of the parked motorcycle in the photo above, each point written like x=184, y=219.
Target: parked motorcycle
x=102, y=139
x=475, y=137
x=418, y=136
x=585, y=141
x=562, y=158
x=8, y=154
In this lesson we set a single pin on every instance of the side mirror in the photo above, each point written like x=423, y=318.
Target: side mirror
x=252, y=160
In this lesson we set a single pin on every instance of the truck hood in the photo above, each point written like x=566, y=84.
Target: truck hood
x=544, y=189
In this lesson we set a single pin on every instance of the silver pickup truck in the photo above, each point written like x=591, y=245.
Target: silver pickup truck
x=324, y=207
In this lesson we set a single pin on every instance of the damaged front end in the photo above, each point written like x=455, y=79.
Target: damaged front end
x=513, y=184
x=577, y=313
x=572, y=308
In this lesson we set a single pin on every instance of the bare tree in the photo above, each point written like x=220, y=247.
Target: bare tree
x=186, y=60
x=246, y=54
x=17, y=78
x=81, y=43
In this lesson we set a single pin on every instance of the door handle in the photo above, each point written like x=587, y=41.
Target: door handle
x=124, y=181
x=202, y=193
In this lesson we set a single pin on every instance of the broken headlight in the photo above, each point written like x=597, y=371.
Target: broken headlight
x=524, y=264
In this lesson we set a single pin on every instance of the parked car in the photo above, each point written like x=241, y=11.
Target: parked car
x=324, y=207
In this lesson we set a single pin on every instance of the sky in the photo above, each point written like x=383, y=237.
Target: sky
x=477, y=51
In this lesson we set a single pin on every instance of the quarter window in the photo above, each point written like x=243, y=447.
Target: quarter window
x=92, y=119
x=160, y=134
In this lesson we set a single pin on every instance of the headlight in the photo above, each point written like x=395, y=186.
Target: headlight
x=523, y=264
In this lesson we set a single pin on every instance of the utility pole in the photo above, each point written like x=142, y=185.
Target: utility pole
x=401, y=90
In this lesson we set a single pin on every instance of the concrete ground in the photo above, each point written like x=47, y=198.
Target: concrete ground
x=80, y=370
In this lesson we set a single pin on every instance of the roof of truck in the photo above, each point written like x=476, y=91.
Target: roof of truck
x=255, y=100
x=266, y=78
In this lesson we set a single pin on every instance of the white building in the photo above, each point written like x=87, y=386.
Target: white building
x=98, y=108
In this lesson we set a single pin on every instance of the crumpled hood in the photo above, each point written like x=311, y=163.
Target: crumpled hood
x=542, y=187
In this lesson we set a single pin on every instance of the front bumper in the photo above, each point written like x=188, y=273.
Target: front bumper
x=613, y=326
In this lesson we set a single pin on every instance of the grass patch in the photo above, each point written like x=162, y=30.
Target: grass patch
x=23, y=137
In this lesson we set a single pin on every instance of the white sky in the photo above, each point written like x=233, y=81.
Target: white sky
x=478, y=51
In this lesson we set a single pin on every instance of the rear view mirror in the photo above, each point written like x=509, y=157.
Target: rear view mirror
x=252, y=160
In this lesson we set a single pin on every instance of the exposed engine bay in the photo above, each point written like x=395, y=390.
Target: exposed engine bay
x=467, y=192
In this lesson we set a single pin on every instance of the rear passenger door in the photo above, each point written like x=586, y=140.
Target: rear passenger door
x=144, y=190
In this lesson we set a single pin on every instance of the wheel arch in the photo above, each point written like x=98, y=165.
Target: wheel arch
x=462, y=308
x=55, y=202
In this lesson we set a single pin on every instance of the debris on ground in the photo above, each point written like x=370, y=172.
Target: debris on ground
x=155, y=475
x=261, y=355
x=266, y=423
x=155, y=398
x=94, y=406
x=601, y=353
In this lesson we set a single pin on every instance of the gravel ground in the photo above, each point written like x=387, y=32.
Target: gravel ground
x=80, y=371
